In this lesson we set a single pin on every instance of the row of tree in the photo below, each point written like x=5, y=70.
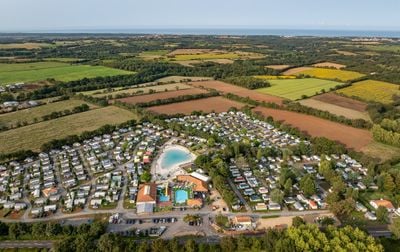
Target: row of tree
x=385, y=136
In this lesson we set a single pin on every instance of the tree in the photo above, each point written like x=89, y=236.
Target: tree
x=307, y=185
x=190, y=246
x=382, y=214
x=297, y=221
x=277, y=196
x=211, y=142
x=395, y=227
x=288, y=186
x=145, y=177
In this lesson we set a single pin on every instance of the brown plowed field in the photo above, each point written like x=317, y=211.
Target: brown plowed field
x=342, y=101
x=207, y=105
x=317, y=127
x=161, y=96
x=236, y=90
x=294, y=71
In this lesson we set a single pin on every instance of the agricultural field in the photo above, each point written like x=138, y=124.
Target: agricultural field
x=28, y=46
x=330, y=65
x=342, y=101
x=325, y=73
x=295, y=89
x=207, y=105
x=275, y=77
x=29, y=115
x=208, y=54
x=382, y=151
x=27, y=72
x=371, y=90
x=145, y=89
x=236, y=90
x=65, y=60
x=384, y=48
x=351, y=137
x=334, y=109
x=161, y=95
x=277, y=67
x=149, y=55
x=32, y=137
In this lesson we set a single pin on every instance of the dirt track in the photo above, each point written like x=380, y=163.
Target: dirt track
x=239, y=91
x=352, y=137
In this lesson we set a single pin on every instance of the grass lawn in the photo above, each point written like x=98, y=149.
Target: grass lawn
x=26, y=72
x=29, y=115
x=67, y=60
x=332, y=74
x=32, y=137
x=371, y=90
x=294, y=89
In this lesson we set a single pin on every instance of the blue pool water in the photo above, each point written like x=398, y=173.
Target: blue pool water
x=164, y=198
x=181, y=196
x=174, y=156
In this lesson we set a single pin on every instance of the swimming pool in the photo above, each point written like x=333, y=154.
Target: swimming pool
x=181, y=196
x=172, y=157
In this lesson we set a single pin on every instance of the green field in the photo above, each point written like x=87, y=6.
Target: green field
x=294, y=89
x=67, y=60
x=32, y=137
x=387, y=48
x=26, y=72
x=29, y=115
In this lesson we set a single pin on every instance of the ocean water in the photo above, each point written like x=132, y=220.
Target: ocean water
x=172, y=157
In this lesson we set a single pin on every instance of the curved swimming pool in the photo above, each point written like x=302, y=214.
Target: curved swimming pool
x=174, y=156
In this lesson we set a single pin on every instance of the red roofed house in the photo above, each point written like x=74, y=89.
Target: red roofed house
x=385, y=203
x=198, y=185
x=146, y=198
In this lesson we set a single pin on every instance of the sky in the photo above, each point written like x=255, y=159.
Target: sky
x=33, y=15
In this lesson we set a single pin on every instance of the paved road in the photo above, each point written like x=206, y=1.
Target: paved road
x=239, y=195
x=26, y=244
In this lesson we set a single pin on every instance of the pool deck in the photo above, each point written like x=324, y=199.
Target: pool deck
x=162, y=175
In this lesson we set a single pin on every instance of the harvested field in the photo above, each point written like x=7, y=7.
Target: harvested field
x=296, y=70
x=330, y=64
x=161, y=96
x=295, y=89
x=29, y=115
x=188, y=51
x=181, y=78
x=278, y=67
x=236, y=90
x=317, y=127
x=381, y=151
x=341, y=101
x=32, y=137
x=28, y=46
x=207, y=105
x=371, y=90
x=345, y=53
x=334, y=109
x=139, y=90
x=275, y=77
x=191, y=63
